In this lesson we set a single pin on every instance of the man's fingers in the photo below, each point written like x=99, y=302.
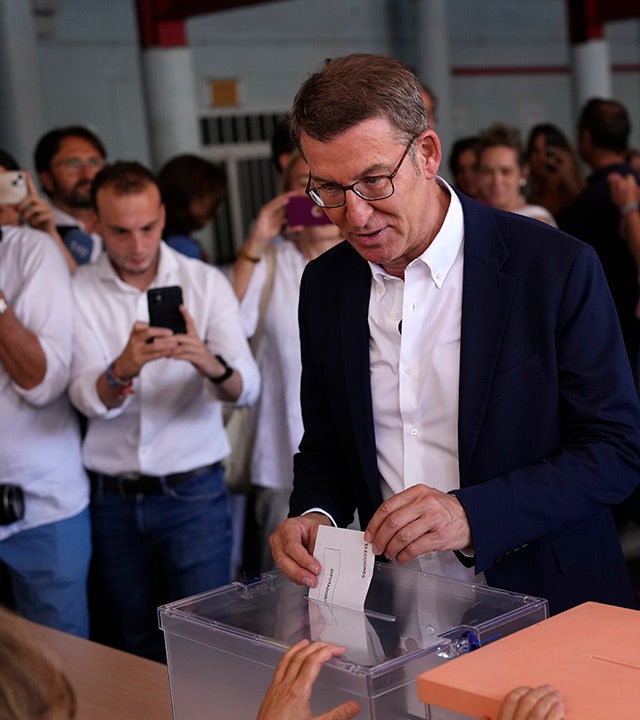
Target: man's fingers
x=289, y=547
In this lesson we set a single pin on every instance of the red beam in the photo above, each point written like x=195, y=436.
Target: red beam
x=586, y=17
x=161, y=23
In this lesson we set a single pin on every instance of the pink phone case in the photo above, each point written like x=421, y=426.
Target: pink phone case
x=301, y=210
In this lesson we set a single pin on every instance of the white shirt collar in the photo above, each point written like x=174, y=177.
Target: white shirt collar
x=443, y=250
x=166, y=268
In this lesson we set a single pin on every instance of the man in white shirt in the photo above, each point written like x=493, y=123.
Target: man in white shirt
x=67, y=159
x=464, y=382
x=44, y=554
x=155, y=438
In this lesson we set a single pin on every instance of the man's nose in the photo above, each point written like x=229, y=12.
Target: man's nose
x=357, y=210
x=137, y=242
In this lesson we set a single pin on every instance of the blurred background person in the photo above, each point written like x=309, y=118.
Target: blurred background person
x=555, y=178
x=463, y=163
x=633, y=158
x=604, y=128
x=277, y=414
x=192, y=188
x=282, y=146
x=430, y=101
x=502, y=173
x=32, y=210
x=66, y=160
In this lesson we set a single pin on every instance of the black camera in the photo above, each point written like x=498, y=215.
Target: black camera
x=11, y=504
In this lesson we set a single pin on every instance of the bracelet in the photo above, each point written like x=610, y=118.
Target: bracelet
x=115, y=382
x=245, y=255
x=228, y=371
x=628, y=207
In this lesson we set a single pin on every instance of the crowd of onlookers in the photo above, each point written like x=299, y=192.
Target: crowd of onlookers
x=123, y=347
x=113, y=430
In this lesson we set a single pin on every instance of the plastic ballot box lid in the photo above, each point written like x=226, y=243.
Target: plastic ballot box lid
x=591, y=654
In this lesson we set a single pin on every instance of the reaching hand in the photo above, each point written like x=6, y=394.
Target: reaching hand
x=542, y=703
x=624, y=189
x=35, y=211
x=289, y=695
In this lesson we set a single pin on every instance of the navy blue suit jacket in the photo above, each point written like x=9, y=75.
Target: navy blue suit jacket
x=548, y=413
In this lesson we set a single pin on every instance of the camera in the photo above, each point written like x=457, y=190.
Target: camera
x=11, y=504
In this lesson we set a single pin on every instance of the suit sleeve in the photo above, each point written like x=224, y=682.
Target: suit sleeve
x=591, y=427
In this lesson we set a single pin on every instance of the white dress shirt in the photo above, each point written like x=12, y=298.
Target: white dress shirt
x=415, y=372
x=173, y=421
x=39, y=436
x=278, y=416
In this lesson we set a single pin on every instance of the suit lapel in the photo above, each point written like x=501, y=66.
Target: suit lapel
x=354, y=334
x=486, y=301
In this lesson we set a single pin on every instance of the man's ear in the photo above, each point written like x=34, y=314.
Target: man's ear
x=429, y=150
x=46, y=182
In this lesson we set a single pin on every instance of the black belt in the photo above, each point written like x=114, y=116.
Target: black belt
x=134, y=483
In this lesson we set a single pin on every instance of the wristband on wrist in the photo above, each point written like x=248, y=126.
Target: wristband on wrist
x=628, y=207
x=228, y=371
x=124, y=387
x=114, y=381
x=245, y=255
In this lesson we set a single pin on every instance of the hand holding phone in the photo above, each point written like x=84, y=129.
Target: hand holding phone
x=13, y=187
x=164, y=308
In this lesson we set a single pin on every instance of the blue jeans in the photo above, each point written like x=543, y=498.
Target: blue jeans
x=152, y=549
x=47, y=568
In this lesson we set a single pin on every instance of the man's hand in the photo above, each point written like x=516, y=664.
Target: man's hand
x=190, y=347
x=35, y=211
x=292, y=544
x=624, y=189
x=145, y=344
x=542, y=703
x=288, y=697
x=417, y=521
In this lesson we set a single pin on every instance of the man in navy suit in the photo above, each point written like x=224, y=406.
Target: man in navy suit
x=465, y=387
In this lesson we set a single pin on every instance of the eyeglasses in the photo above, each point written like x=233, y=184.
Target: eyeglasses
x=77, y=163
x=376, y=187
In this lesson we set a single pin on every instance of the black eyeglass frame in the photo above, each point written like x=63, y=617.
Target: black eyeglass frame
x=311, y=191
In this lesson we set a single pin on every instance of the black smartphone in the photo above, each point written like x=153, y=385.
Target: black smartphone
x=164, y=308
x=301, y=210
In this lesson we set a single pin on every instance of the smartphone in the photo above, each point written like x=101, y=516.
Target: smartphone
x=164, y=308
x=13, y=187
x=301, y=210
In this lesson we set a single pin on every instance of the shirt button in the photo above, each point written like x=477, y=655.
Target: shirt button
x=408, y=371
x=438, y=276
x=413, y=431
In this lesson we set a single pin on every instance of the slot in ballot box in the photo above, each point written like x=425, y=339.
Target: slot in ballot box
x=223, y=645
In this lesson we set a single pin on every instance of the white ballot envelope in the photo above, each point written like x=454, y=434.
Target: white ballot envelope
x=346, y=563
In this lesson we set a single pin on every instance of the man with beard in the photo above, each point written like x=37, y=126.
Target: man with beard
x=67, y=159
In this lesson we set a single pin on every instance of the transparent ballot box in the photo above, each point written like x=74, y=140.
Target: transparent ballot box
x=223, y=645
